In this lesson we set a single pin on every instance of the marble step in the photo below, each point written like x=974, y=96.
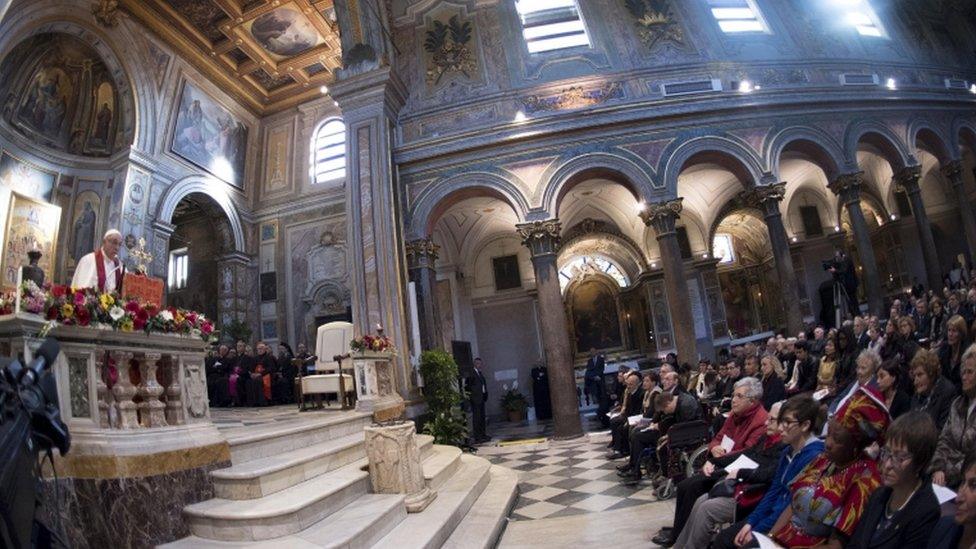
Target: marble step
x=282, y=513
x=485, y=522
x=426, y=445
x=432, y=527
x=360, y=524
x=262, y=441
x=264, y=476
x=440, y=463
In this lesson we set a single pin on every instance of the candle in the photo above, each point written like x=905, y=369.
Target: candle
x=17, y=292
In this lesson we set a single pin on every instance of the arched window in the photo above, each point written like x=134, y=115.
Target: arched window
x=329, y=151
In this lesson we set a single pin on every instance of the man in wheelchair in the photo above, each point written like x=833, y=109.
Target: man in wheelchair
x=672, y=408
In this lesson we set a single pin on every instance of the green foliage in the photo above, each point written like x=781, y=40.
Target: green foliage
x=514, y=401
x=448, y=424
x=435, y=37
x=450, y=427
x=460, y=32
x=235, y=330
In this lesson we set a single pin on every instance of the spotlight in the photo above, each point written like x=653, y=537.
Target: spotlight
x=894, y=217
x=793, y=239
x=891, y=84
x=520, y=116
x=641, y=206
x=704, y=256
x=324, y=89
x=972, y=88
x=745, y=86
x=836, y=229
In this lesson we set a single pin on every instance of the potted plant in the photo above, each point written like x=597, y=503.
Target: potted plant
x=514, y=403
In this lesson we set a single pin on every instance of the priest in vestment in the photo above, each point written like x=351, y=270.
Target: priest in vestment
x=102, y=268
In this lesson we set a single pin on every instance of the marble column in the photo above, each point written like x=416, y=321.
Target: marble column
x=661, y=216
x=907, y=179
x=370, y=102
x=953, y=172
x=543, y=239
x=421, y=256
x=848, y=188
x=237, y=291
x=767, y=199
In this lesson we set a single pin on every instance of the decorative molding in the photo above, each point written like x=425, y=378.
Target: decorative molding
x=540, y=237
x=848, y=186
x=656, y=23
x=907, y=179
x=106, y=12
x=574, y=97
x=662, y=215
x=421, y=253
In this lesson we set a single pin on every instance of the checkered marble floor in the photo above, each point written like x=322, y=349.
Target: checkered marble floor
x=571, y=479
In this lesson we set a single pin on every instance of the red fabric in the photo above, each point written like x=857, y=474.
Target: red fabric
x=100, y=269
x=744, y=429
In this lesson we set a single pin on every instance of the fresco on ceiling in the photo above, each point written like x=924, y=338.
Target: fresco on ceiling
x=285, y=32
x=58, y=93
x=26, y=179
x=203, y=15
x=209, y=136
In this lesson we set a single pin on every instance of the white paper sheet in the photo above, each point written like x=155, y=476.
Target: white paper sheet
x=943, y=494
x=634, y=420
x=820, y=394
x=742, y=463
x=765, y=542
x=613, y=415
x=727, y=443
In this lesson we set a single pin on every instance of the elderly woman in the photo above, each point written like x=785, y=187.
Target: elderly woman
x=771, y=375
x=933, y=393
x=829, y=496
x=903, y=512
x=958, y=437
x=950, y=352
x=746, y=423
x=698, y=511
x=868, y=363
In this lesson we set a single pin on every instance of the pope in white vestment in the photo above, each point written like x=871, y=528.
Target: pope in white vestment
x=107, y=276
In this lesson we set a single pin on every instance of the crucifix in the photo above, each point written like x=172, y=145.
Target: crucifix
x=142, y=256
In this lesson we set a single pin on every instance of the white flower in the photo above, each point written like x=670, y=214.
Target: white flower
x=116, y=312
x=505, y=386
x=165, y=315
x=515, y=385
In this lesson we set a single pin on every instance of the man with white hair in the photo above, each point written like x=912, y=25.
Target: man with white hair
x=101, y=269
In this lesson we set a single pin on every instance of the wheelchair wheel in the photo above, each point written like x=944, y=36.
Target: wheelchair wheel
x=665, y=490
x=696, y=460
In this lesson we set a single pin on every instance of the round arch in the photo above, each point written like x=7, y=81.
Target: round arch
x=203, y=185
x=621, y=166
x=963, y=135
x=136, y=86
x=936, y=143
x=880, y=136
x=728, y=152
x=441, y=195
x=816, y=144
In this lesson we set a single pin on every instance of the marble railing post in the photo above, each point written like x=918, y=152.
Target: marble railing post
x=174, y=392
x=848, y=188
x=767, y=199
x=151, y=409
x=542, y=238
x=907, y=179
x=661, y=216
x=123, y=390
x=421, y=256
x=101, y=390
x=953, y=171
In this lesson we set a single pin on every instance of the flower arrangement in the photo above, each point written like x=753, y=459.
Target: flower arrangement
x=374, y=343
x=89, y=307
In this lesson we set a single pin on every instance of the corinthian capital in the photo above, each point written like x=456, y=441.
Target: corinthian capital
x=662, y=215
x=953, y=171
x=421, y=253
x=540, y=237
x=907, y=178
x=848, y=186
x=766, y=197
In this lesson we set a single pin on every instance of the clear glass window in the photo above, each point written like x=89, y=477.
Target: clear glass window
x=549, y=25
x=329, y=151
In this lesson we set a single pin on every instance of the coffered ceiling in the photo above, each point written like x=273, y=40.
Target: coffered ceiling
x=269, y=54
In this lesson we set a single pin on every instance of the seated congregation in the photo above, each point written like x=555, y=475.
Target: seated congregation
x=245, y=376
x=860, y=437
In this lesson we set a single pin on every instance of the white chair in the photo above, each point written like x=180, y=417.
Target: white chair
x=332, y=341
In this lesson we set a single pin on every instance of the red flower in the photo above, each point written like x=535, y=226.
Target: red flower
x=191, y=318
x=59, y=291
x=79, y=298
x=132, y=307
x=83, y=316
x=206, y=328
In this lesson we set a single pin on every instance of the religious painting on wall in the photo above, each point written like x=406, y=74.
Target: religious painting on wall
x=84, y=225
x=269, y=231
x=285, y=32
x=269, y=286
x=25, y=178
x=269, y=329
x=507, y=274
x=596, y=320
x=30, y=224
x=209, y=136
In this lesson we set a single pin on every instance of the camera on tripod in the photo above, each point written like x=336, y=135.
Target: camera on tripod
x=828, y=264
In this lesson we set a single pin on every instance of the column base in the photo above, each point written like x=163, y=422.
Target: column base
x=419, y=501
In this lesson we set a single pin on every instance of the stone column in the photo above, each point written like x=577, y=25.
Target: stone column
x=848, y=188
x=370, y=102
x=542, y=238
x=953, y=171
x=421, y=256
x=124, y=391
x=767, y=199
x=151, y=409
x=907, y=179
x=661, y=216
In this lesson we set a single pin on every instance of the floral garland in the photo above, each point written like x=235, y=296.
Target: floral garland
x=89, y=307
x=375, y=343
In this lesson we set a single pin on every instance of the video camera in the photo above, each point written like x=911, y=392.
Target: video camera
x=30, y=423
x=828, y=264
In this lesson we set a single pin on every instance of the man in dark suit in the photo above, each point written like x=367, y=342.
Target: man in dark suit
x=595, y=390
x=478, y=392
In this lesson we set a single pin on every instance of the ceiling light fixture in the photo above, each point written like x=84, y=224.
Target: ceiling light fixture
x=520, y=116
x=891, y=84
x=746, y=87
x=324, y=89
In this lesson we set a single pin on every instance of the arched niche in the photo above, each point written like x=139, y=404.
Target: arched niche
x=58, y=92
x=593, y=304
x=747, y=275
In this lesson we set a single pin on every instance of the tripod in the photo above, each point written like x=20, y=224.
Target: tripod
x=841, y=302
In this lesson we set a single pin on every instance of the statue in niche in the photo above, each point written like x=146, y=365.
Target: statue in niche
x=32, y=271
x=84, y=233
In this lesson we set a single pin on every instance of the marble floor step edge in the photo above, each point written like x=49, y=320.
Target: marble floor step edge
x=261, y=441
x=485, y=522
x=357, y=525
x=264, y=476
x=282, y=513
x=441, y=463
x=432, y=527
x=426, y=444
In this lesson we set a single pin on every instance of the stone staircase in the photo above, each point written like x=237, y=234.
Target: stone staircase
x=306, y=485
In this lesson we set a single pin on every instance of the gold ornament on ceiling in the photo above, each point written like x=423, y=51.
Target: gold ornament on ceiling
x=269, y=54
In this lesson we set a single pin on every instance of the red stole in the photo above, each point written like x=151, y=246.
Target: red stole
x=100, y=269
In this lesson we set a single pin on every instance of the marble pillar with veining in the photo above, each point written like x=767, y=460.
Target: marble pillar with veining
x=848, y=188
